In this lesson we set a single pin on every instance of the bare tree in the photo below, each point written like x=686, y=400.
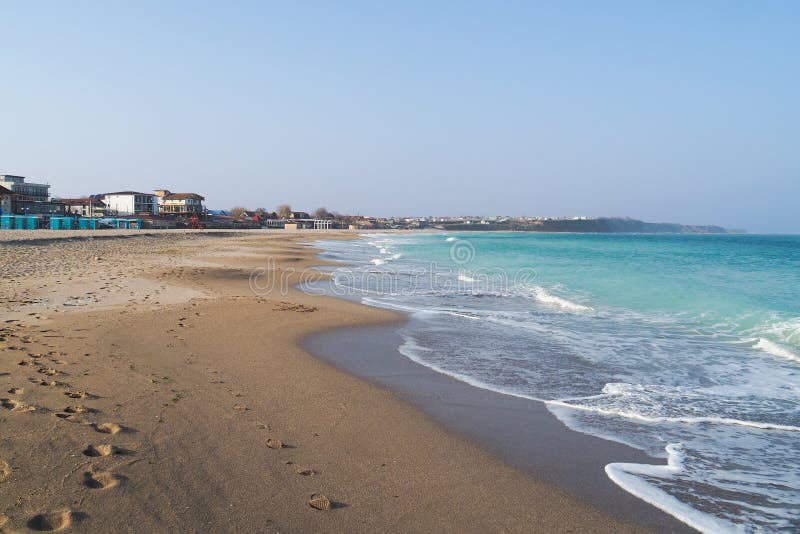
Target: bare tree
x=284, y=211
x=322, y=213
x=238, y=212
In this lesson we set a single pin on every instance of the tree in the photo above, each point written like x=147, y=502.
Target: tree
x=284, y=211
x=238, y=212
x=321, y=213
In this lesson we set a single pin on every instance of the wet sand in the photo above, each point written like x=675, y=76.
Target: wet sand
x=520, y=431
x=148, y=382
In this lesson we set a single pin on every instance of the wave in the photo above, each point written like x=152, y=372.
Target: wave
x=694, y=420
x=385, y=260
x=787, y=330
x=570, y=403
x=544, y=297
x=625, y=476
x=776, y=350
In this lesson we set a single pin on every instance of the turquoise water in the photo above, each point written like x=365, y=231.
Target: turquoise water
x=684, y=346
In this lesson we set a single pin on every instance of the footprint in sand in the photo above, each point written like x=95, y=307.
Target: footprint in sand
x=55, y=521
x=16, y=391
x=100, y=480
x=80, y=408
x=304, y=471
x=76, y=394
x=274, y=443
x=5, y=470
x=107, y=428
x=15, y=406
x=300, y=470
x=45, y=382
x=320, y=502
x=102, y=450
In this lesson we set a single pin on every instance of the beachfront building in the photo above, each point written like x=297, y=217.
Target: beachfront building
x=5, y=200
x=27, y=198
x=23, y=205
x=130, y=203
x=26, y=190
x=273, y=223
x=84, y=207
x=181, y=204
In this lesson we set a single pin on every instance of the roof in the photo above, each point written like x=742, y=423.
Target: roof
x=128, y=193
x=78, y=200
x=183, y=196
x=4, y=191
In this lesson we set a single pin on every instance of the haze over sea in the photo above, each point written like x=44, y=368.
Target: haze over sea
x=684, y=346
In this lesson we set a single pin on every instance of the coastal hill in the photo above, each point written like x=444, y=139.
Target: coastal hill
x=598, y=225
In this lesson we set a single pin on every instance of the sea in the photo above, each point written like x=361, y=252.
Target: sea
x=684, y=346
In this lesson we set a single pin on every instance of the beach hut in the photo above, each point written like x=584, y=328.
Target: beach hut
x=26, y=222
x=62, y=223
x=85, y=223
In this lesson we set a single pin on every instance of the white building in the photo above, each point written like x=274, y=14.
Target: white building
x=130, y=203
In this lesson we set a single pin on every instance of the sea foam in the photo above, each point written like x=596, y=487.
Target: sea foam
x=632, y=478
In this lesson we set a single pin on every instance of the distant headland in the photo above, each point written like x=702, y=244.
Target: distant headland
x=579, y=224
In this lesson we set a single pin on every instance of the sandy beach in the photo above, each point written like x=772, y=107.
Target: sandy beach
x=154, y=383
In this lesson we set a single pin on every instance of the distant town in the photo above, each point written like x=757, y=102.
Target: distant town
x=28, y=205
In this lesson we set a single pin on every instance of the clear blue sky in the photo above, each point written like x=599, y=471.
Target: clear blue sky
x=665, y=111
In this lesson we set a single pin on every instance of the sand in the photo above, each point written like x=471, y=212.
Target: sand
x=154, y=383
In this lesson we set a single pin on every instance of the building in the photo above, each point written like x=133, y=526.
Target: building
x=182, y=204
x=84, y=207
x=323, y=224
x=23, y=205
x=130, y=203
x=30, y=191
x=5, y=200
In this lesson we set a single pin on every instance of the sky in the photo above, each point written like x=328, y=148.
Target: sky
x=680, y=111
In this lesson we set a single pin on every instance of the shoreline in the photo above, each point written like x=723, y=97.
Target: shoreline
x=521, y=432
x=165, y=345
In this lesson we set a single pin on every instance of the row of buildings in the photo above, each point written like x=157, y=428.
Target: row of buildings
x=162, y=208
x=19, y=197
